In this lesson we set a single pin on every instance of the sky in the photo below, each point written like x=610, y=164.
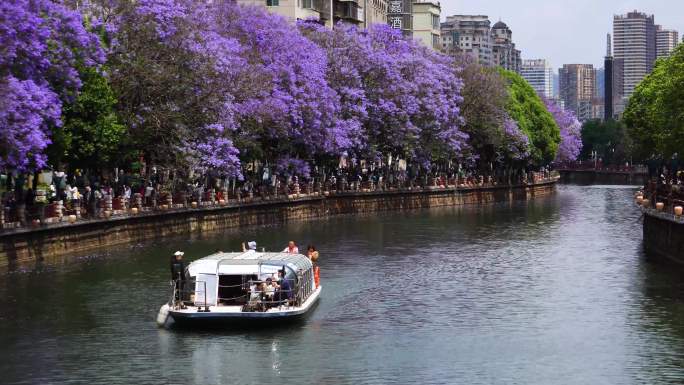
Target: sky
x=565, y=31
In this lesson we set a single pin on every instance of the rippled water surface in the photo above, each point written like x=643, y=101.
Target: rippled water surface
x=555, y=291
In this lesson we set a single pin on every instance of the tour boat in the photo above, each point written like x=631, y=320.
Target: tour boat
x=227, y=288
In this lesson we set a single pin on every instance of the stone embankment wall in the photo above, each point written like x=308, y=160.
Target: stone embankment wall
x=28, y=246
x=587, y=177
x=664, y=235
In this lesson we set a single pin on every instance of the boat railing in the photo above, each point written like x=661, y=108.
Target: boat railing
x=183, y=292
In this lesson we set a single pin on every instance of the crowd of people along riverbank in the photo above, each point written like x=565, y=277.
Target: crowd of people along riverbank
x=665, y=188
x=50, y=197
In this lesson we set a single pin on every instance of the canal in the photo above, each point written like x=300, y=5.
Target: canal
x=553, y=291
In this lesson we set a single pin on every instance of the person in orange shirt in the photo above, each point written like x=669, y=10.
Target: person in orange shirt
x=313, y=256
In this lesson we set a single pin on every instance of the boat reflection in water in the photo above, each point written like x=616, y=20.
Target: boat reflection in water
x=242, y=288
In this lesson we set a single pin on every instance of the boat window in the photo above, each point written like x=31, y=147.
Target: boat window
x=234, y=289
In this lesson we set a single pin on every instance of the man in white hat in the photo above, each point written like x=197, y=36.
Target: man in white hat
x=251, y=245
x=177, y=266
x=178, y=274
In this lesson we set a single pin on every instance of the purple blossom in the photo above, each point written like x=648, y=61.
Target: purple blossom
x=404, y=97
x=516, y=142
x=293, y=167
x=42, y=44
x=570, y=131
x=216, y=155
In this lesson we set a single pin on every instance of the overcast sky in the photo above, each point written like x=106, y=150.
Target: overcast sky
x=565, y=31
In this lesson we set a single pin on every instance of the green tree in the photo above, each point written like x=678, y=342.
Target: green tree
x=609, y=139
x=483, y=108
x=91, y=134
x=528, y=110
x=655, y=113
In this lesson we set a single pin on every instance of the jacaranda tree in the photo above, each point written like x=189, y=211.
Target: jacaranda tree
x=42, y=45
x=405, y=97
x=570, y=132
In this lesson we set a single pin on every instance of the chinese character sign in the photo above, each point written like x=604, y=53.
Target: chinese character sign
x=395, y=6
x=395, y=22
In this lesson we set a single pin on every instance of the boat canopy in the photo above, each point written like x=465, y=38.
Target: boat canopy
x=243, y=263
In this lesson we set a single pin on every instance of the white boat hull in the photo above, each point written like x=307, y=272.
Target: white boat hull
x=234, y=314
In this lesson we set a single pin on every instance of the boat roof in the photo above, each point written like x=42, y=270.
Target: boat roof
x=212, y=262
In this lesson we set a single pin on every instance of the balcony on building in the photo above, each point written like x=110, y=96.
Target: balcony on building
x=348, y=11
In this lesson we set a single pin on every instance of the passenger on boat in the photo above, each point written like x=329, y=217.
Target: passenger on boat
x=177, y=266
x=178, y=274
x=285, y=294
x=313, y=255
x=291, y=248
x=251, y=245
x=269, y=290
x=253, y=290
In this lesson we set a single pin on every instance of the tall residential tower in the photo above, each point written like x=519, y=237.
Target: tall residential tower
x=634, y=43
x=578, y=88
x=540, y=76
x=474, y=36
x=666, y=41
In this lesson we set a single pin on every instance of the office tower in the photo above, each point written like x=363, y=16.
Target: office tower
x=556, y=86
x=634, y=43
x=577, y=88
x=666, y=41
x=608, y=82
x=540, y=76
x=600, y=83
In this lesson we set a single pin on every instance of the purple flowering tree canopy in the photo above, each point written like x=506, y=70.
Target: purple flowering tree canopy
x=404, y=97
x=516, y=141
x=570, y=132
x=42, y=45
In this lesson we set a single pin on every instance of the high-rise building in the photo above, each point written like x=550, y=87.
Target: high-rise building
x=600, y=83
x=473, y=35
x=426, y=23
x=295, y=10
x=666, y=41
x=362, y=13
x=469, y=34
x=556, y=86
x=577, y=89
x=540, y=76
x=504, y=53
x=608, y=82
x=634, y=43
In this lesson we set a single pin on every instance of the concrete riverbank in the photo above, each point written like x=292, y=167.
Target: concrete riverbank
x=603, y=177
x=25, y=247
x=664, y=235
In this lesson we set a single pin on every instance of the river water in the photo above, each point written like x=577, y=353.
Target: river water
x=553, y=291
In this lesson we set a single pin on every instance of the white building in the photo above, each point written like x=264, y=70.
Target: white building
x=426, y=26
x=666, y=41
x=539, y=74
